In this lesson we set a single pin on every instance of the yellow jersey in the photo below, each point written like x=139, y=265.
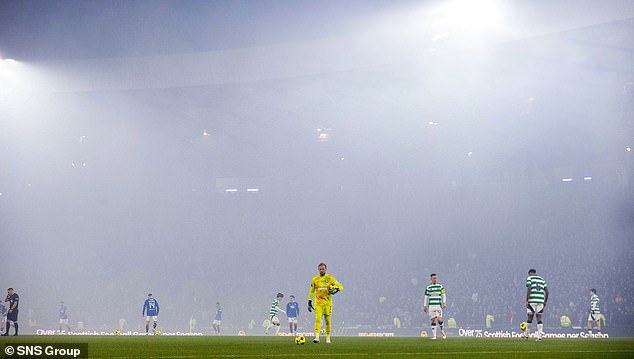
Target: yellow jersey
x=319, y=286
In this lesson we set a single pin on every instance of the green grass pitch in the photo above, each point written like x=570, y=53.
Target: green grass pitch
x=342, y=347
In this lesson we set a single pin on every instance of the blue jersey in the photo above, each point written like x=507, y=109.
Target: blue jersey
x=292, y=309
x=218, y=313
x=150, y=307
x=62, y=312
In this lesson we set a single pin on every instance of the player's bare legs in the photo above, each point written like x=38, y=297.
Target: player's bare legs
x=597, y=324
x=589, y=329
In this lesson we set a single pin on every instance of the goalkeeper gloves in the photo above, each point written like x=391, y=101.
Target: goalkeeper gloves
x=310, y=306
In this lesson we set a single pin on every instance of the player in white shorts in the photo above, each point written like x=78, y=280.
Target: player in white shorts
x=436, y=298
x=292, y=311
x=274, y=320
x=151, y=312
x=536, y=299
x=217, y=319
x=594, y=315
x=63, y=317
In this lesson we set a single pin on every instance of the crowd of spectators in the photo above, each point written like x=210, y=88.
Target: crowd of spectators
x=481, y=285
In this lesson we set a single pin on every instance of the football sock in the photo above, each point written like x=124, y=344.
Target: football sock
x=540, y=328
x=8, y=326
x=433, y=328
x=440, y=323
x=528, y=327
x=154, y=326
x=147, y=328
x=15, y=325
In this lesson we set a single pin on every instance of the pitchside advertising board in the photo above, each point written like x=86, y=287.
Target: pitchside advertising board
x=479, y=333
x=94, y=332
x=460, y=332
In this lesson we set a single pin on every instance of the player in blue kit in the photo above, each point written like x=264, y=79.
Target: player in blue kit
x=63, y=317
x=292, y=311
x=150, y=311
x=217, y=319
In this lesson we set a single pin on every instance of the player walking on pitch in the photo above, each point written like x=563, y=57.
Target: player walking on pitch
x=536, y=299
x=274, y=320
x=12, y=313
x=217, y=319
x=436, y=298
x=63, y=317
x=151, y=312
x=292, y=311
x=594, y=315
x=322, y=288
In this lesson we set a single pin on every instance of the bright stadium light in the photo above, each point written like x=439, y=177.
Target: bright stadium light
x=466, y=22
x=467, y=14
x=12, y=77
x=567, y=179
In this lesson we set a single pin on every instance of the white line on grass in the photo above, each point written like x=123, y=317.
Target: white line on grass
x=509, y=352
x=380, y=354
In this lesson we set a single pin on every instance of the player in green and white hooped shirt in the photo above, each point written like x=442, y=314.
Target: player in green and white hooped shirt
x=536, y=299
x=437, y=300
x=274, y=321
x=595, y=312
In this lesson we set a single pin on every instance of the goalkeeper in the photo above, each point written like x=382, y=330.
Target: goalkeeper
x=322, y=288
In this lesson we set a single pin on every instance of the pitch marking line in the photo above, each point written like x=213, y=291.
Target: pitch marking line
x=381, y=354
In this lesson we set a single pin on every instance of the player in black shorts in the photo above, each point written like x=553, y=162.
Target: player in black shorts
x=12, y=313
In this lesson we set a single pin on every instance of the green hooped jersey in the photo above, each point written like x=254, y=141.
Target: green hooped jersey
x=275, y=305
x=594, y=304
x=435, y=293
x=538, y=286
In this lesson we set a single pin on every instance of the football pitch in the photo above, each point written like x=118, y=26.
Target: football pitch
x=342, y=347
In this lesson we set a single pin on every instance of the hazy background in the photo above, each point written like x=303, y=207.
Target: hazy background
x=218, y=151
